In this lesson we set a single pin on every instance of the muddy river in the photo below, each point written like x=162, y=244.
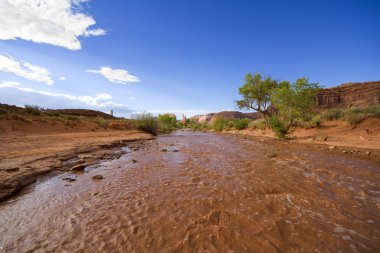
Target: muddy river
x=202, y=192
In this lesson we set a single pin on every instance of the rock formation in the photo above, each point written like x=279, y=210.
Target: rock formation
x=348, y=95
x=227, y=115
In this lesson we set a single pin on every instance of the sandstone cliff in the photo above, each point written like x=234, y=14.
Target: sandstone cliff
x=227, y=115
x=349, y=94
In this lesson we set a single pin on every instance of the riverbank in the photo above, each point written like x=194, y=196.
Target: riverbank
x=360, y=140
x=26, y=155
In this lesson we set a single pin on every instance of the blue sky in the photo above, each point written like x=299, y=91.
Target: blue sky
x=177, y=56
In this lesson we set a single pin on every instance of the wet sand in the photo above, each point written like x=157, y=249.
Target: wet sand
x=25, y=156
x=218, y=193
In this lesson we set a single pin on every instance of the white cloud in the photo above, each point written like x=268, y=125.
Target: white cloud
x=25, y=69
x=62, y=78
x=100, y=100
x=115, y=75
x=54, y=22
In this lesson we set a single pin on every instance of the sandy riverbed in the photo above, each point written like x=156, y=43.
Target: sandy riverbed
x=218, y=193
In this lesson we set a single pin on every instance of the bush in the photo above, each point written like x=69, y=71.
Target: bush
x=33, y=109
x=219, y=124
x=354, y=118
x=240, y=124
x=332, y=114
x=258, y=124
x=3, y=111
x=167, y=122
x=278, y=127
x=146, y=122
x=103, y=122
x=373, y=110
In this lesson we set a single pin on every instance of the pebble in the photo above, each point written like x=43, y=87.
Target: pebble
x=134, y=161
x=368, y=153
x=164, y=150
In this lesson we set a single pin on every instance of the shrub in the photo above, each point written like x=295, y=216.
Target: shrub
x=332, y=114
x=219, y=124
x=167, y=122
x=240, y=124
x=33, y=109
x=146, y=122
x=373, y=110
x=103, y=122
x=278, y=127
x=3, y=111
x=258, y=124
x=354, y=118
x=72, y=118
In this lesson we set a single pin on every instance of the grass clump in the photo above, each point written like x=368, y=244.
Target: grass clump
x=146, y=122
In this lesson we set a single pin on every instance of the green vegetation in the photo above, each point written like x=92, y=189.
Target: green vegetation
x=256, y=93
x=292, y=101
x=167, y=122
x=146, y=122
x=33, y=109
x=353, y=115
x=103, y=122
x=257, y=124
x=280, y=103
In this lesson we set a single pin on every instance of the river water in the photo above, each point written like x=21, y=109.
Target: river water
x=206, y=193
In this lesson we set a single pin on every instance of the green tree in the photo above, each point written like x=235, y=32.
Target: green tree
x=256, y=93
x=291, y=101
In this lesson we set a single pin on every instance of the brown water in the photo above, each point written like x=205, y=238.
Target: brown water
x=217, y=194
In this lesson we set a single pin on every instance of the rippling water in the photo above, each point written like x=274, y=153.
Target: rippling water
x=217, y=194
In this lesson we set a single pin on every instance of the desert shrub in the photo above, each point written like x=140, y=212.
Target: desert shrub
x=258, y=124
x=167, y=122
x=204, y=126
x=313, y=122
x=19, y=117
x=316, y=121
x=146, y=122
x=278, y=127
x=332, y=114
x=240, y=124
x=103, y=122
x=3, y=111
x=354, y=118
x=373, y=110
x=33, y=109
x=72, y=118
x=219, y=124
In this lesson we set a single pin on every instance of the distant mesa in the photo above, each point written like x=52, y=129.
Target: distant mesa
x=227, y=115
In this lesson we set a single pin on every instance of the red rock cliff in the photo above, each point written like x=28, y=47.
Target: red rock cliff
x=349, y=94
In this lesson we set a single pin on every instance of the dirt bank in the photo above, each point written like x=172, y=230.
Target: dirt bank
x=204, y=193
x=364, y=137
x=26, y=155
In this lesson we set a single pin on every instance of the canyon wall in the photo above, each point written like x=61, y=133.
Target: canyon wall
x=348, y=95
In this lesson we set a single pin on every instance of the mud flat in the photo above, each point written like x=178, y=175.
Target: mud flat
x=24, y=157
x=203, y=192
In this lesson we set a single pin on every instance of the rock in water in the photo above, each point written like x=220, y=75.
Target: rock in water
x=97, y=177
x=79, y=167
